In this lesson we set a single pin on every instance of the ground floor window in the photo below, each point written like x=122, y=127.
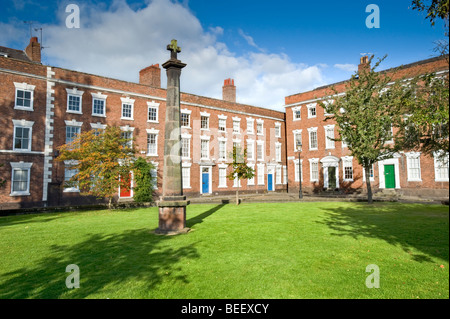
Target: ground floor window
x=20, y=179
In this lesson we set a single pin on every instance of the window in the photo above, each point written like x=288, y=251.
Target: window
x=312, y=138
x=127, y=108
x=222, y=150
x=344, y=143
x=204, y=122
x=222, y=177
x=22, y=135
x=153, y=109
x=99, y=104
x=297, y=138
x=185, y=147
x=20, y=179
x=314, y=166
x=71, y=133
x=259, y=127
x=277, y=129
x=261, y=174
x=152, y=144
x=260, y=150
x=236, y=126
x=296, y=173
x=128, y=136
x=69, y=172
x=204, y=149
x=285, y=176
x=371, y=174
x=24, y=96
x=98, y=128
x=347, y=167
x=74, y=99
x=186, y=175
x=185, y=120
x=251, y=181
x=413, y=166
x=250, y=150
x=441, y=168
x=236, y=182
x=222, y=124
x=278, y=152
x=312, y=110
x=278, y=174
x=154, y=176
x=329, y=136
x=250, y=125
x=297, y=115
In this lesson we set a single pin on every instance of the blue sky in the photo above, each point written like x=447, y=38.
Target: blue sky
x=271, y=48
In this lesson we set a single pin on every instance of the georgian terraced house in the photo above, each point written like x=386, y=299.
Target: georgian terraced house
x=43, y=107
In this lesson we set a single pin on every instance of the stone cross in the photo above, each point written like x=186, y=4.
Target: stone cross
x=174, y=49
x=172, y=203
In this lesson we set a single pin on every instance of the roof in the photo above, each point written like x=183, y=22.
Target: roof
x=14, y=54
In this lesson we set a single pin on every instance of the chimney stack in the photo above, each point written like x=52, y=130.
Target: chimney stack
x=33, y=50
x=229, y=91
x=151, y=76
x=364, y=64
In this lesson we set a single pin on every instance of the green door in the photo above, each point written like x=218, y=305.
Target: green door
x=331, y=178
x=389, y=176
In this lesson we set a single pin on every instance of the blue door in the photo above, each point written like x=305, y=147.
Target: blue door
x=205, y=181
x=270, y=182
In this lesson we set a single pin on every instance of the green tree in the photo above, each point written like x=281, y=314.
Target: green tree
x=365, y=115
x=143, y=191
x=103, y=162
x=239, y=168
x=435, y=9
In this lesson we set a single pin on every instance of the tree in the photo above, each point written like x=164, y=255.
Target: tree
x=143, y=191
x=239, y=168
x=435, y=9
x=102, y=162
x=365, y=115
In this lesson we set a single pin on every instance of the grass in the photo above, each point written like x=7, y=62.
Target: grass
x=288, y=250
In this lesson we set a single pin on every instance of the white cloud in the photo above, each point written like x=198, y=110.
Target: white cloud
x=118, y=41
x=346, y=67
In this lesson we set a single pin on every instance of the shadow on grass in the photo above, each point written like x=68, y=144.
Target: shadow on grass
x=105, y=261
x=410, y=227
x=199, y=218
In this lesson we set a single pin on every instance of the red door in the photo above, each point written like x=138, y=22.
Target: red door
x=124, y=192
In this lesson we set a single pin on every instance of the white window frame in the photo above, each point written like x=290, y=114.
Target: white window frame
x=72, y=123
x=25, y=167
x=251, y=181
x=326, y=103
x=260, y=122
x=311, y=130
x=99, y=97
x=223, y=120
x=372, y=178
x=250, y=146
x=155, y=106
x=27, y=125
x=188, y=138
x=279, y=173
x=329, y=143
x=156, y=134
x=296, y=133
x=186, y=112
x=204, y=115
x=311, y=162
x=186, y=180
x=259, y=142
x=128, y=129
x=67, y=165
x=127, y=101
x=222, y=141
x=251, y=125
x=236, y=120
x=74, y=93
x=347, y=160
x=296, y=170
x=410, y=156
x=310, y=107
x=261, y=174
x=278, y=151
x=285, y=175
x=437, y=166
x=222, y=179
x=294, y=112
x=206, y=139
x=277, y=129
x=25, y=88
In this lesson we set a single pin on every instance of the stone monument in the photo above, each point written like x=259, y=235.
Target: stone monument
x=172, y=203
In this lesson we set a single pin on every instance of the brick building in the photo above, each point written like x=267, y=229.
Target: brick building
x=328, y=165
x=43, y=107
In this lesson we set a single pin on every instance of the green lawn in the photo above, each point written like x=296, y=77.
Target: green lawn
x=287, y=250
